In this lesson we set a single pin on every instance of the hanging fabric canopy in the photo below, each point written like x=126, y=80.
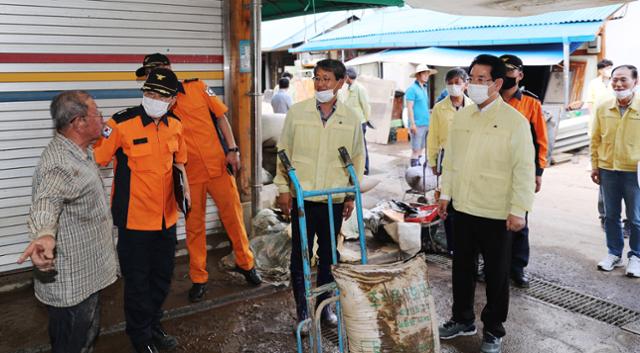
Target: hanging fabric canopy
x=274, y=9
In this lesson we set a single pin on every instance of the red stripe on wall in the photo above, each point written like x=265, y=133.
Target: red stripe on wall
x=27, y=58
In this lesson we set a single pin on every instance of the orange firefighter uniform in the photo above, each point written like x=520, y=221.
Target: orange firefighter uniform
x=145, y=153
x=529, y=106
x=197, y=106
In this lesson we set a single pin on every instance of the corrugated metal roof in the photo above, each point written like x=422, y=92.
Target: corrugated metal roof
x=394, y=28
x=574, y=32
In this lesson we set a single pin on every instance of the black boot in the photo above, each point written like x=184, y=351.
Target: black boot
x=197, y=291
x=251, y=276
x=161, y=339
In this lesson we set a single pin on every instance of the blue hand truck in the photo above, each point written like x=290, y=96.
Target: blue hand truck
x=315, y=334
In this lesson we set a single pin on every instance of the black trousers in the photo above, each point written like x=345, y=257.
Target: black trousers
x=317, y=221
x=146, y=261
x=489, y=237
x=520, y=249
x=75, y=329
x=448, y=227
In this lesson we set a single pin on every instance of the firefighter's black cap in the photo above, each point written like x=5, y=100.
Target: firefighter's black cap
x=511, y=62
x=150, y=61
x=162, y=81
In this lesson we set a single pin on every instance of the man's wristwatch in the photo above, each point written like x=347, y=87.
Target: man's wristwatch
x=234, y=149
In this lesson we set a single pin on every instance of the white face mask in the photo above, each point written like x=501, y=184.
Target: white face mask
x=455, y=90
x=478, y=93
x=324, y=96
x=623, y=94
x=154, y=108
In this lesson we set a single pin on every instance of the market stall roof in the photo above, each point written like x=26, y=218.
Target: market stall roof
x=506, y=7
x=531, y=55
x=274, y=9
x=412, y=28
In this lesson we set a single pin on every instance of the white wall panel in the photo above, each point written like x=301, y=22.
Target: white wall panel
x=82, y=28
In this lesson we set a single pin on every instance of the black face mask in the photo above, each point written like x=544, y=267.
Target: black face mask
x=509, y=82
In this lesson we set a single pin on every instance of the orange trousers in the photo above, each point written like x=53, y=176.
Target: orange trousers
x=223, y=191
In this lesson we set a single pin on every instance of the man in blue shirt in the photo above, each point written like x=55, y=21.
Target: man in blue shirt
x=417, y=97
x=281, y=101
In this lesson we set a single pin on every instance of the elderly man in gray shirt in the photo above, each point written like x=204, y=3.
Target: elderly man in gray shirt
x=72, y=230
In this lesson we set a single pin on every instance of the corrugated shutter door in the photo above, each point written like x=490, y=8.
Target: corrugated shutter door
x=49, y=46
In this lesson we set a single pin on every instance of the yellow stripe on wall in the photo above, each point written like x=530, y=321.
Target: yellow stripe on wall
x=96, y=76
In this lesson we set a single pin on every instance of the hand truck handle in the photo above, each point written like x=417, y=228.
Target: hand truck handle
x=285, y=160
x=344, y=155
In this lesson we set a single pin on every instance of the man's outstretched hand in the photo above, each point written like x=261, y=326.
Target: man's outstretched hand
x=41, y=253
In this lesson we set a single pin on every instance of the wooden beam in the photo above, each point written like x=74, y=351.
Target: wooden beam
x=240, y=27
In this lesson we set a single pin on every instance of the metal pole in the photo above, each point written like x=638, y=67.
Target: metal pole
x=256, y=111
x=566, y=67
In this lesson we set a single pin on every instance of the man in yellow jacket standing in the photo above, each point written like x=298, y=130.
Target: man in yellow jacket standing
x=489, y=175
x=313, y=131
x=615, y=157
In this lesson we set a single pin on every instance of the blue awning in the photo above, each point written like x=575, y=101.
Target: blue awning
x=544, y=34
x=416, y=28
x=531, y=55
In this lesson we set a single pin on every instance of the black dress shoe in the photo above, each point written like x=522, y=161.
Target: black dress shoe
x=161, y=339
x=145, y=348
x=251, y=275
x=197, y=291
x=520, y=280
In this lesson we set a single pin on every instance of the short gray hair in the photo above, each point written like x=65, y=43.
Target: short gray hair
x=68, y=105
x=454, y=73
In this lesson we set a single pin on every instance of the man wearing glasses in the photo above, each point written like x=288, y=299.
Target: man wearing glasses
x=70, y=222
x=489, y=173
x=313, y=131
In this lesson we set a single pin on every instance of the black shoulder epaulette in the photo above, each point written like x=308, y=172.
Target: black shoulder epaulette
x=126, y=114
x=172, y=115
x=530, y=94
x=190, y=80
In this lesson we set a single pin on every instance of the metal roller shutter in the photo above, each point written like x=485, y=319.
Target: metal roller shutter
x=48, y=46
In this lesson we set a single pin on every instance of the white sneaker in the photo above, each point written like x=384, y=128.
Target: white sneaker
x=610, y=262
x=633, y=267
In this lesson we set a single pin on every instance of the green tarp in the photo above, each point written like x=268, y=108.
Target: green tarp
x=274, y=9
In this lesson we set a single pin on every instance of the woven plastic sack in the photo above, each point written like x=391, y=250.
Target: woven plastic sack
x=388, y=308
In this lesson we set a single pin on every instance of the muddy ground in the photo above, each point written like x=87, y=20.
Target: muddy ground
x=566, y=242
